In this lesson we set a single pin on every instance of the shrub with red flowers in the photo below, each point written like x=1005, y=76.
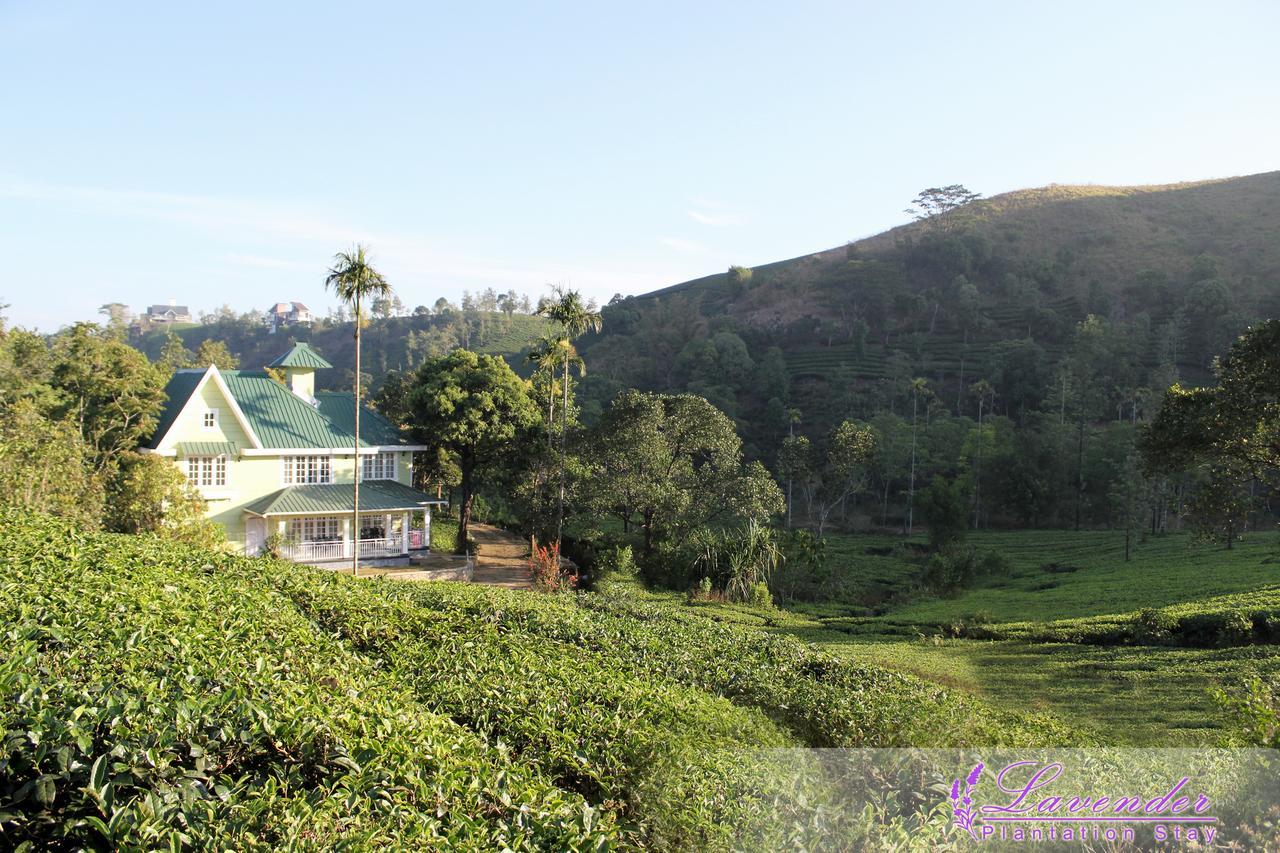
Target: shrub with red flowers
x=547, y=572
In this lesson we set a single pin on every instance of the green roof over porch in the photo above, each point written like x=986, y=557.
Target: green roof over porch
x=337, y=498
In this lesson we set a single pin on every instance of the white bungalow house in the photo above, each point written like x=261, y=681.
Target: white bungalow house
x=279, y=459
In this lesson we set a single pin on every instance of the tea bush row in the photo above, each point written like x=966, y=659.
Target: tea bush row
x=674, y=761
x=153, y=697
x=823, y=700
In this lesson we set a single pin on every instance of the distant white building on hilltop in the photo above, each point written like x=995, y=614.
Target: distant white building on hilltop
x=288, y=314
x=165, y=315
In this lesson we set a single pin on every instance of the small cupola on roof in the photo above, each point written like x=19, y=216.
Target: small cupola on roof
x=300, y=365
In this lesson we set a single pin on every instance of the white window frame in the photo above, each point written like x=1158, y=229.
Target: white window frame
x=207, y=471
x=314, y=528
x=210, y=419
x=378, y=466
x=306, y=470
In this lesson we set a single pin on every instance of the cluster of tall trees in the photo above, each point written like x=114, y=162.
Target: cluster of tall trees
x=657, y=469
x=74, y=408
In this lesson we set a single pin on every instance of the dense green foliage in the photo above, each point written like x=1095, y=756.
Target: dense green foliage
x=73, y=410
x=389, y=343
x=158, y=694
x=1078, y=307
x=474, y=408
x=148, y=701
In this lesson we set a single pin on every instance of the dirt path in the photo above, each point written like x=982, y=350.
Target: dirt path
x=501, y=558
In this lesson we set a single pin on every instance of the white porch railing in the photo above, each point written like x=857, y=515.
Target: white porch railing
x=315, y=552
x=389, y=547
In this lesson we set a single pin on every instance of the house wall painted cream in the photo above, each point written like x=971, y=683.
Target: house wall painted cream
x=249, y=477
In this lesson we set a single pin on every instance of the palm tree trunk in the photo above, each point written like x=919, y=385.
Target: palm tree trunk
x=564, y=433
x=355, y=512
x=911, y=487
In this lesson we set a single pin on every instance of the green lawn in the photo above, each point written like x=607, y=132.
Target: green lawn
x=1062, y=585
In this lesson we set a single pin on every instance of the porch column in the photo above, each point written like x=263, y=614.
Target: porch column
x=426, y=527
x=346, y=536
x=404, y=533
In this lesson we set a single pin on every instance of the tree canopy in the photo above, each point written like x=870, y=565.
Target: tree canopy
x=472, y=407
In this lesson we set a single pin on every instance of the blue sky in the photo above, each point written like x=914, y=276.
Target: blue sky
x=223, y=152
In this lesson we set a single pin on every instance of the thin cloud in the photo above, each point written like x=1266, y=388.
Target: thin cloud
x=719, y=220
x=690, y=246
x=707, y=211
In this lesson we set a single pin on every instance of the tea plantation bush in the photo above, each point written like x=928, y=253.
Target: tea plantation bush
x=158, y=696
x=667, y=756
x=152, y=697
x=823, y=700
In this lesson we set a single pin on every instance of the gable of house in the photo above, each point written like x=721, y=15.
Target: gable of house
x=272, y=414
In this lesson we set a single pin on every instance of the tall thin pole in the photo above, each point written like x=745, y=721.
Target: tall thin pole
x=355, y=512
x=911, y=490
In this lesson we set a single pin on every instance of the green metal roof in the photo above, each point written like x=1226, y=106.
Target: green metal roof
x=302, y=355
x=178, y=391
x=282, y=419
x=375, y=496
x=339, y=408
x=205, y=448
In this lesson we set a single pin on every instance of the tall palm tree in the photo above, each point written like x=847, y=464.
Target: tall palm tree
x=577, y=317
x=983, y=390
x=353, y=279
x=919, y=387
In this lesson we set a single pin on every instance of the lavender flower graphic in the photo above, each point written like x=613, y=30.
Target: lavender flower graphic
x=962, y=808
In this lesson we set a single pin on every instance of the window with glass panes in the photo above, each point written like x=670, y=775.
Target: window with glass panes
x=324, y=528
x=378, y=466
x=207, y=470
x=299, y=470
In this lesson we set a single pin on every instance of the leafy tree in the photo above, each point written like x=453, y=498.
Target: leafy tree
x=117, y=314
x=837, y=471
x=739, y=279
x=215, y=353
x=148, y=494
x=1127, y=497
x=174, y=355
x=943, y=507
x=107, y=389
x=472, y=407
x=1219, y=508
x=42, y=465
x=671, y=464
x=353, y=280
x=919, y=390
x=933, y=204
x=1233, y=429
x=577, y=317
x=984, y=392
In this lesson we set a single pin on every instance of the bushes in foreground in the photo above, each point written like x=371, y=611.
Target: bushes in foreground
x=154, y=698
x=665, y=755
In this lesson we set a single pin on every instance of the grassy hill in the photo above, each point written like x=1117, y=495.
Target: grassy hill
x=1181, y=269
x=155, y=695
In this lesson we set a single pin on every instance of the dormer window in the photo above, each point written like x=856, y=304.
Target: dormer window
x=211, y=419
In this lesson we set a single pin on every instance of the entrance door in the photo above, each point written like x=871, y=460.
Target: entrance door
x=255, y=535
